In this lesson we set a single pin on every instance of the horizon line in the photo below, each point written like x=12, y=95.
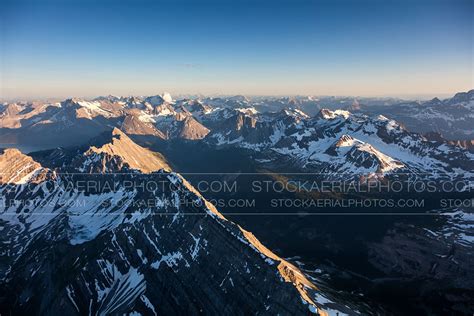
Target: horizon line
x=401, y=96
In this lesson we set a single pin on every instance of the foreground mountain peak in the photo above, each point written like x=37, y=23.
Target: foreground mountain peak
x=137, y=254
x=121, y=151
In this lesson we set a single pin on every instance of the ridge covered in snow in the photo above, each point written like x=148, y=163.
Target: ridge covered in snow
x=381, y=144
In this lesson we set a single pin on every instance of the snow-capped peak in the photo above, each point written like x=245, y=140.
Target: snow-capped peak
x=94, y=105
x=329, y=115
x=157, y=100
x=345, y=140
x=167, y=97
x=248, y=110
x=382, y=118
x=295, y=112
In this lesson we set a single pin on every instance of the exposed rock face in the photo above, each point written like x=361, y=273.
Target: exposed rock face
x=243, y=121
x=132, y=125
x=158, y=100
x=189, y=128
x=109, y=252
x=198, y=107
x=343, y=141
x=17, y=115
x=18, y=168
x=434, y=136
x=68, y=123
x=327, y=114
x=163, y=109
x=243, y=128
x=367, y=157
x=182, y=125
x=122, y=150
x=466, y=144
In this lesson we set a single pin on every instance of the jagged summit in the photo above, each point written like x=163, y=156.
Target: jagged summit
x=196, y=107
x=357, y=155
x=434, y=101
x=167, y=97
x=345, y=140
x=241, y=120
x=191, y=129
x=362, y=155
x=135, y=125
x=121, y=151
x=329, y=115
x=294, y=112
x=462, y=97
x=159, y=99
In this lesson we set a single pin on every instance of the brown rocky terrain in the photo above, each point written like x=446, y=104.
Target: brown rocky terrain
x=18, y=168
x=121, y=147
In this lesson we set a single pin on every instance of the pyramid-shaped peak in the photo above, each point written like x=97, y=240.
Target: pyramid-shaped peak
x=120, y=149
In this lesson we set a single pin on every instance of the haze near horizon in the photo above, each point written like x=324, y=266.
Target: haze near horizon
x=403, y=48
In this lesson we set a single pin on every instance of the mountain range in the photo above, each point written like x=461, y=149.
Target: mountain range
x=105, y=251
x=80, y=222
x=328, y=141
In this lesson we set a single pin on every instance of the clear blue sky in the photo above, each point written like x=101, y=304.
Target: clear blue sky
x=87, y=48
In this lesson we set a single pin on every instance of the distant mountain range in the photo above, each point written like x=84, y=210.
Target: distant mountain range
x=452, y=118
x=343, y=143
x=112, y=254
x=72, y=121
x=329, y=141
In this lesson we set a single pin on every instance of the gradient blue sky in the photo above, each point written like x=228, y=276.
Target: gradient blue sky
x=88, y=48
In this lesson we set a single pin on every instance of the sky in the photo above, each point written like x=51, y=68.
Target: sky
x=65, y=48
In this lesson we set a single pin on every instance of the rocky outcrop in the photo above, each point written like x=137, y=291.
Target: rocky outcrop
x=132, y=125
x=120, y=151
x=18, y=168
x=466, y=144
x=191, y=129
